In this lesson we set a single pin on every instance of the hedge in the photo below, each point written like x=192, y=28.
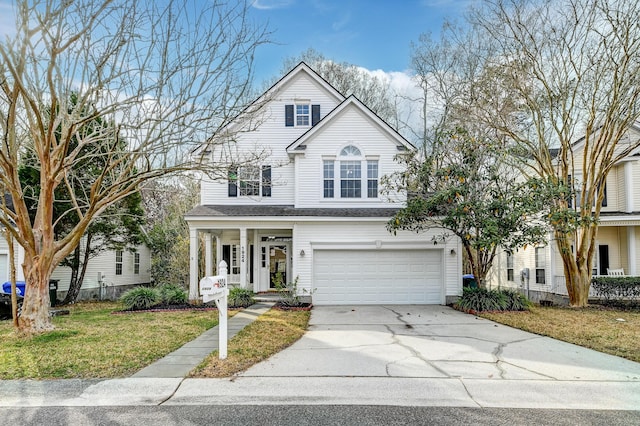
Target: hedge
x=617, y=289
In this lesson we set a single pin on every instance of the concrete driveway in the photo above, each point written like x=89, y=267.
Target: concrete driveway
x=436, y=346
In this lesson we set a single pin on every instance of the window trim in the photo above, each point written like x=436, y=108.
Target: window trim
x=305, y=116
x=136, y=263
x=541, y=265
x=335, y=184
x=510, y=275
x=119, y=261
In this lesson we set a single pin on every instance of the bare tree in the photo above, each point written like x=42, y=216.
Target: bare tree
x=571, y=69
x=165, y=75
x=448, y=70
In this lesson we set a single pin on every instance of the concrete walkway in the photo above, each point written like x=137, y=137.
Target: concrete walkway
x=180, y=362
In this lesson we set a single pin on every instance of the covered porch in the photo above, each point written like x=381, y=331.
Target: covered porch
x=257, y=256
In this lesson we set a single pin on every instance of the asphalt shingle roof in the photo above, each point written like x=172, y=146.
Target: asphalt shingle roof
x=288, y=210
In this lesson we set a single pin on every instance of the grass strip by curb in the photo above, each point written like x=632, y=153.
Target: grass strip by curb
x=268, y=334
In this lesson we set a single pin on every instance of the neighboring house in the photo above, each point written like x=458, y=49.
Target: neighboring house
x=617, y=242
x=120, y=270
x=109, y=274
x=313, y=210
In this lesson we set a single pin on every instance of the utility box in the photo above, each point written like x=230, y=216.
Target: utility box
x=53, y=291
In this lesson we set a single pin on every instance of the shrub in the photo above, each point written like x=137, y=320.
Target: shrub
x=240, y=298
x=172, y=294
x=289, y=293
x=140, y=298
x=482, y=299
x=516, y=301
x=617, y=290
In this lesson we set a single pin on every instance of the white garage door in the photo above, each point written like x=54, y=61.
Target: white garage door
x=343, y=277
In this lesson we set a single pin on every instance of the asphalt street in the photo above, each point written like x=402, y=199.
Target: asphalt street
x=310, y=415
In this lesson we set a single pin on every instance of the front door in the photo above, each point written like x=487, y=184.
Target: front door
x=603, y=259
x=277, y=264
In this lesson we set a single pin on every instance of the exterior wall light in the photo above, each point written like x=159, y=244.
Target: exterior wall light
x=302, y=253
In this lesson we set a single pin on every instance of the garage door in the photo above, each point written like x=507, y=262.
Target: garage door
x=343, y=277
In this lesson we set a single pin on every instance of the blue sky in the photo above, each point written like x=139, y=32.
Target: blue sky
x=373, y=34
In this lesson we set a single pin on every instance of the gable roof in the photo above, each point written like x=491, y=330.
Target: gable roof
x=300, y=69
x=258, y=103
x=297, y=145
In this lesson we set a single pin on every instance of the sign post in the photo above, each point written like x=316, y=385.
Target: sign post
x=215, y=288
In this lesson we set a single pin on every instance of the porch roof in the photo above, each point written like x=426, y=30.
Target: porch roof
x=287, y=210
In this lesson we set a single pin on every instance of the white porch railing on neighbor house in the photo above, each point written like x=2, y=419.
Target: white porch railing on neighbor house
x=560, y=287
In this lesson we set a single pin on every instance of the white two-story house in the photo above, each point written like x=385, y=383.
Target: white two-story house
x=313, y=208
x=618, y=240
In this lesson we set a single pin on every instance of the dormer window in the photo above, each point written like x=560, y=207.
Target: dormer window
x=350, y=178
x=301, y=114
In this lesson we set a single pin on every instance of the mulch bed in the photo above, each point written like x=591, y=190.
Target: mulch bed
x=302, y=307
x=169, y=308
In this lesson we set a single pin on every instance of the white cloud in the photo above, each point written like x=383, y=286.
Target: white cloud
x=271, y=4
x=342, y=22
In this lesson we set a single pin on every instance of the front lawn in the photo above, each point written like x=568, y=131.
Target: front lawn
x=91, y=342
x=612, y=331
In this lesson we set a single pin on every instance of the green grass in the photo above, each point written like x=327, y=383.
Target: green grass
x=91, y=342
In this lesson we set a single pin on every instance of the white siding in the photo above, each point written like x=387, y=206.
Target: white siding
x=273, y=137
x=352, y=127
x=106, y=263
x=636, y=186
x=5, y=269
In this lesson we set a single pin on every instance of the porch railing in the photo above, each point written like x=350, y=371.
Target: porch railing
x=560, y=287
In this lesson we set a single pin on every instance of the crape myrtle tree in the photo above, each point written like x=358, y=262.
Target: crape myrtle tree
x=467, y=189
x=118, y=227
x=167, y=74
x=571, y=71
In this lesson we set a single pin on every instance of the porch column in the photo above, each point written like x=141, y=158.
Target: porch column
x=193, y=264
x=628, y=186
x=243, y=258
x=208, y=252
x=256, y=261
x=218, y=253
x=631, y=250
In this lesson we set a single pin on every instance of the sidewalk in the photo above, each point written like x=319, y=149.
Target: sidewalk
x=180, y=362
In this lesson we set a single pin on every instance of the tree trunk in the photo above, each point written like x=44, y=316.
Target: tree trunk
x=35, y=308
x=78, y=272
x=577, y=272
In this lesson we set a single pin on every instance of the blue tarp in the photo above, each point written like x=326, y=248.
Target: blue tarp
x=6, y=287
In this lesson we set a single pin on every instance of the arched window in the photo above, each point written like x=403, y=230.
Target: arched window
x=350, y=151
